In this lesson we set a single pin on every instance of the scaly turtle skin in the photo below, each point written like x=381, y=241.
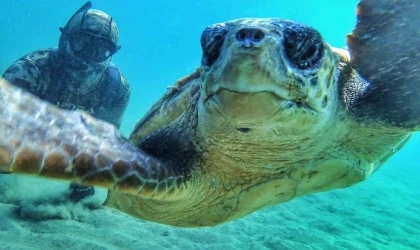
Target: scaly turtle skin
x=273, y=113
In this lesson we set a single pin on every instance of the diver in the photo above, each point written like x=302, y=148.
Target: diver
x=78, y=75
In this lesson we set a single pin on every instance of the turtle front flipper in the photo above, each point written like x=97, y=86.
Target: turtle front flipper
x=385, y=50
x=168, y=108
x=37, y=138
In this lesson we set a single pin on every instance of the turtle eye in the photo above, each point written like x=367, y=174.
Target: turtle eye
x=303, y=46
x=211, y=42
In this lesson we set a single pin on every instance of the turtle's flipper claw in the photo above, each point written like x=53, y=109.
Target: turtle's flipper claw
x=385, y=50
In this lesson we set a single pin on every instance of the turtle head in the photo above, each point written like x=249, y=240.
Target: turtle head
x=266, y=74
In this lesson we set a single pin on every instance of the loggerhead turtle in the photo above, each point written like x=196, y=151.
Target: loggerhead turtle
x=272, y=114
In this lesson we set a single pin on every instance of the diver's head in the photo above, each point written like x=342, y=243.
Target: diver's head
x=87, y=42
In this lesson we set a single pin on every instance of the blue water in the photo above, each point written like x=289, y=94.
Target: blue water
x=161, y=39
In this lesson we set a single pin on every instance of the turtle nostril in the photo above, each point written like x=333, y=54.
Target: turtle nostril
x=258, y=35
x=250, y=35
x=241, y=35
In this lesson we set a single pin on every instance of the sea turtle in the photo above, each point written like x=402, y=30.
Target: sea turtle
x=272, y=113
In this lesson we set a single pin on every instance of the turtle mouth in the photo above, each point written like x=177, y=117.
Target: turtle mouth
x=281, y=100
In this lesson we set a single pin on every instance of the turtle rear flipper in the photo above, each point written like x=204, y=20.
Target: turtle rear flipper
x=37, y=138
x=385, y=50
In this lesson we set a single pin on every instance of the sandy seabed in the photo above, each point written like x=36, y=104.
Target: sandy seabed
x=380, y=213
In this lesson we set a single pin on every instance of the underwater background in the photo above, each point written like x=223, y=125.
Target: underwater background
x=160, y=43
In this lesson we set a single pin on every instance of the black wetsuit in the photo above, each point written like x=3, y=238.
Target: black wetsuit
x=41, y=73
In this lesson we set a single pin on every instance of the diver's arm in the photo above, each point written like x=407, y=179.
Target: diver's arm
x=119, y=109
x=24, y=74
x=113, y=112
